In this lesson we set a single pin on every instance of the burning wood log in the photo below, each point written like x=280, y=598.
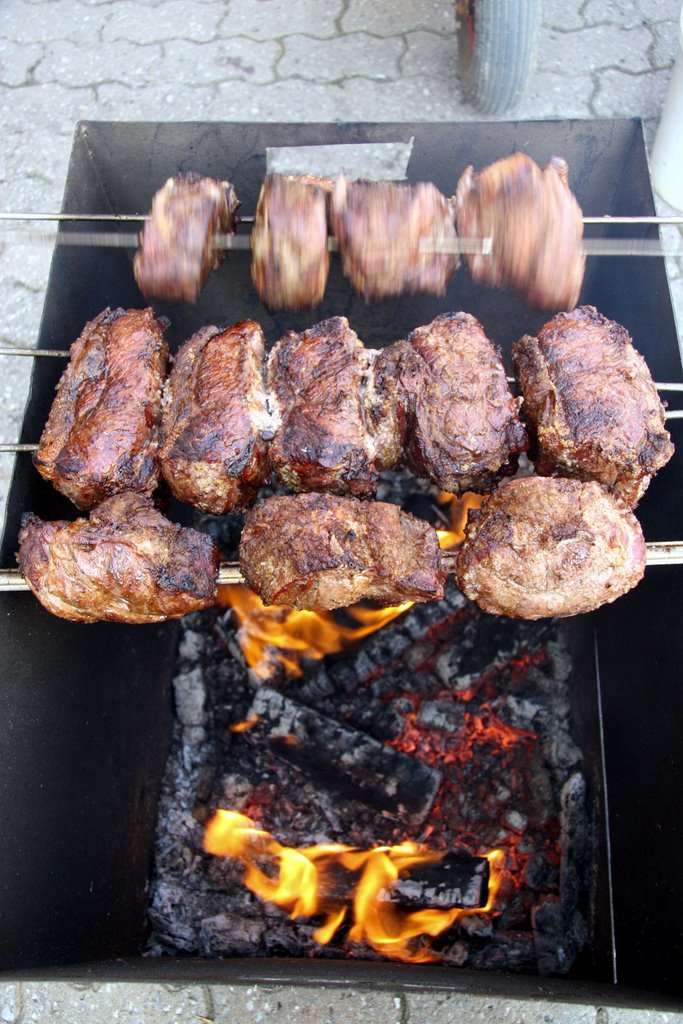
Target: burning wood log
x=344, y=759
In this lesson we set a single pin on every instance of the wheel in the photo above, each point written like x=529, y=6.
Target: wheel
x=496, y=44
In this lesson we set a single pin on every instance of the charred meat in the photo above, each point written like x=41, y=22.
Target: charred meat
x=320, y=384
x=536, y=228
x=382, y=228
x=319, y=551
x=126, y=563
x=465, y=431
x=542, y=547
x=101, y=436
x=592, y=404
x=213, y=452
x=177, y=253
x=290, y=259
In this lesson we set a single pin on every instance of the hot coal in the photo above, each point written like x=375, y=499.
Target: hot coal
x=342, y=759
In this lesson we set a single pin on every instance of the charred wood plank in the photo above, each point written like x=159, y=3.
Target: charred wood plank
x=458, y=880
x=344, y=759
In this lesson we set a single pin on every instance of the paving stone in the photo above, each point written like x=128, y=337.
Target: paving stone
x=68, y=63
x=558, y=14
x=175, y=19
x=58, y=19
x=641, y=95
x=386, y=19
x=291, y=99
x=279, y=1003
x=122, y=1002
x=341, y=57
x=665, y=45
x=442, y=1008
x=430, y=55
x=560, y=96
x=274, y=19
x=17, y=61
x=223, y=60
x=565, y=52
x=628, y=13
x=164, y=101
x=45, y=109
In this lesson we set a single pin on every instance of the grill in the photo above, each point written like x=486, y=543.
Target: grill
x=87, y=710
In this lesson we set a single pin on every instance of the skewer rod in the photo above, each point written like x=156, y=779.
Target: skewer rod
x=605, y=218
x=659, y=553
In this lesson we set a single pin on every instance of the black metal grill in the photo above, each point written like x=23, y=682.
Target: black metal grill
x=86, y=709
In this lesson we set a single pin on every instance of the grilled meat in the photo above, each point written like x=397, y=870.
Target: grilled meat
x=213, y=451
x=540, y=547
x=591, y=403
x=321, y=389
x=126, y=563
x=101, y=436
x=177, y=254
x=381, y=226
x=536, y=226
x=318, y=551
x=290, y=260
x=465, y=431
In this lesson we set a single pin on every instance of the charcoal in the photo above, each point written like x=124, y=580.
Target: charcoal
x=559, y=935
x=573, y=838
x=348, y=761
x=190, y=695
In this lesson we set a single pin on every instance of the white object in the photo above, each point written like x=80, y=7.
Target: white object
x=667, y=154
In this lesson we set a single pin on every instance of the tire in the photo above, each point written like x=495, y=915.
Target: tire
x=496, y=49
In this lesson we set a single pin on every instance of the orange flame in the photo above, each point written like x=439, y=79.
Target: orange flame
x=298, y=881
x=276, y=634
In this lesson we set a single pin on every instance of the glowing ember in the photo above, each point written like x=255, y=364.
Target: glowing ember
x=277, y=634
x=299, y=881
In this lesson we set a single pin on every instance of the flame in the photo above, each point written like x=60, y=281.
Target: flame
x=276, y=634
x=299, y=881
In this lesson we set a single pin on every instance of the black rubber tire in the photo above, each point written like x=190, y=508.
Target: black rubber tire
x=496, y=50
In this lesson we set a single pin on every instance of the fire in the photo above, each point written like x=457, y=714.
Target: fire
x=301, y=883
x=270, y=634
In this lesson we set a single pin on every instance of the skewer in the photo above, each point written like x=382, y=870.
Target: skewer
x=658, y=553
x=605, y=218
x=61, y=353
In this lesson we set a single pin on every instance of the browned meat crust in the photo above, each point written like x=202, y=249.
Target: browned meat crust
x=213, y=451
x=101, y=436
x=177, y=254
x=380, y=227
x=321, y=388
x=591, y=402
x=318, y=551
x=126, y=563
x=465, y=429
x=290, y=259
x=536, y=226
x=540, y=547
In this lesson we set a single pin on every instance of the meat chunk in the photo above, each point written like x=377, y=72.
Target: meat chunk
x=290, y=259
x=126, y=563
x=465, y=430
x=540, y=547
x=214, y=427
x=591, y=403
x=102, y=434
x=382, y=227
x=536, y=226
x=321, y=390
x=177, y=253
x=319, y=551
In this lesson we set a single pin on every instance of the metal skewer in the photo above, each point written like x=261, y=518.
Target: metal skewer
x=658, y=553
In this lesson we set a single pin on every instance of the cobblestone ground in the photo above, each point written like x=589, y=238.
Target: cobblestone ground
x=272, y=60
